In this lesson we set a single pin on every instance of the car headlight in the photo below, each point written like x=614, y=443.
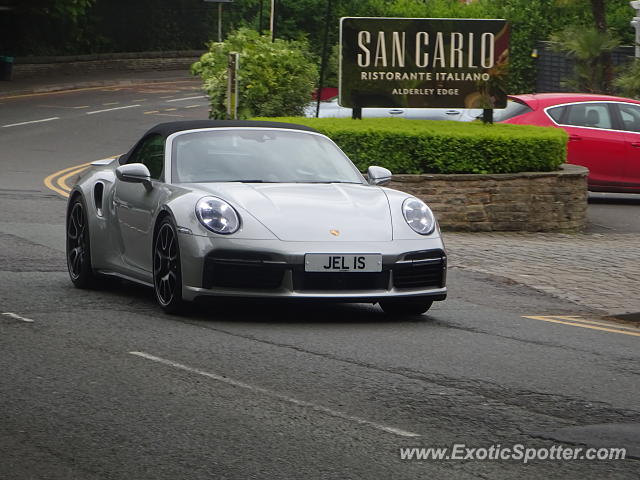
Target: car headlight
x=217, y=215
x=419, y=217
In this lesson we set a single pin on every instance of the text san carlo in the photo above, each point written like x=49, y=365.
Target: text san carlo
x=401, y=62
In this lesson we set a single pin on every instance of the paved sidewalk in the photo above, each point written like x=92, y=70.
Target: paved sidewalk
x=600, y=271
x=57, y=83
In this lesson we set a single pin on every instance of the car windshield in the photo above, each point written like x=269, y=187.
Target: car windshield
x=255, y=155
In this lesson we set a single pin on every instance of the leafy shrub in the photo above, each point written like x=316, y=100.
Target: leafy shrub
x=629, y=80
x=411, y=146
x=274, y=78
x=588, y=47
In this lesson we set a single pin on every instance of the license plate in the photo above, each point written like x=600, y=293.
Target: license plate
x=327, y=262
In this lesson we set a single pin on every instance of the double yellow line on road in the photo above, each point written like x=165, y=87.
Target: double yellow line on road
x=577, y=321
x=57, y=181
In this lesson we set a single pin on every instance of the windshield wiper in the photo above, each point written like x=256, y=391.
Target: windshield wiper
x=247, y=181
x=334, y=181
x=285, y=181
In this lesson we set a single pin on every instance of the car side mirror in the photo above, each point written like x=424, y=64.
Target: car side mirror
x=134, y=173
x=378, y=175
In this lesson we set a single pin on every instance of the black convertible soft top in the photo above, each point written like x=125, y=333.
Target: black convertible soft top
x=166, y=129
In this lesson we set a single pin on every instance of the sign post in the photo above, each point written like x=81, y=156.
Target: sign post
x=487, y=115
x=323, y=62
x=423, y=63
x=219, y=2
x=273, y=19
x=232, y=86
x=635, y=23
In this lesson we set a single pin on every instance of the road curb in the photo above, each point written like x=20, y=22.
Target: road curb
x=64, y=87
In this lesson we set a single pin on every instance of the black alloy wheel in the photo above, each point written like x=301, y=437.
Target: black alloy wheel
x=78, y=247
x=167, y=278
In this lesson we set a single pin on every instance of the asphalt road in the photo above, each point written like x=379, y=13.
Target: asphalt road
x=102, y=385
x=613, y=213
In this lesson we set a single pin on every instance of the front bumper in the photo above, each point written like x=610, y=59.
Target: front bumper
x=226, y=267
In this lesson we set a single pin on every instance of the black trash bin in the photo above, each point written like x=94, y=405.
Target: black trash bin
x=6, y=68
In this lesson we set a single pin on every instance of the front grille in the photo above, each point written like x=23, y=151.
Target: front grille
x=420, y=274
x=339, y=281
x=417, y=270
x=240, y=274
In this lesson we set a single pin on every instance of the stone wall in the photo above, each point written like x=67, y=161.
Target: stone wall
x=26, y=67
x=531, y=202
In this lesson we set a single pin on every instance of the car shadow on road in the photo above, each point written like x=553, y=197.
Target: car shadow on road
x=614, y=198
x=296, y=312
x=244, y=310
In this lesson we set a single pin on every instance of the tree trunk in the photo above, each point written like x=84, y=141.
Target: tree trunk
x=599, y=16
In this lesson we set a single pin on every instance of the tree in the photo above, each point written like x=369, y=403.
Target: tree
x=629, y=80
x=275, y=78
x=588, y=42
x=65, y=9
x=598, y=11
x=587, y=46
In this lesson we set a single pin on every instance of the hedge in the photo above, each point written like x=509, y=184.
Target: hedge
x=427, y=146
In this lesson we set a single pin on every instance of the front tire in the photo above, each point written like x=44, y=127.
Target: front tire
x=167, y=272
x=78, y=246
x=405, y=306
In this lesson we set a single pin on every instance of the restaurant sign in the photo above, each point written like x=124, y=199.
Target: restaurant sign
x=423, y=62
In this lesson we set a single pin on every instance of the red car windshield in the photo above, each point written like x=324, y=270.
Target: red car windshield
x=514, y=108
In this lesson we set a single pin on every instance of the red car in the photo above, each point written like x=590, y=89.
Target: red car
x=604, y=133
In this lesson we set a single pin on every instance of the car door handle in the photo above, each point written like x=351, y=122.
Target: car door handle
x=452, y=112
x=575, y=137
x=396, y=111
x=635, y=144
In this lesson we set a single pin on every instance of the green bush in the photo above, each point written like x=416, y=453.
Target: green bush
x=412, y=146
x=274, y=78
x=588, y=47
x=629, y=80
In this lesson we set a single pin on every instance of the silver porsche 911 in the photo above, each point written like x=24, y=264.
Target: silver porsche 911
x=252, y=209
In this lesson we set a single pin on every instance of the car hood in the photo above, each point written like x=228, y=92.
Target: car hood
x=312, y=212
